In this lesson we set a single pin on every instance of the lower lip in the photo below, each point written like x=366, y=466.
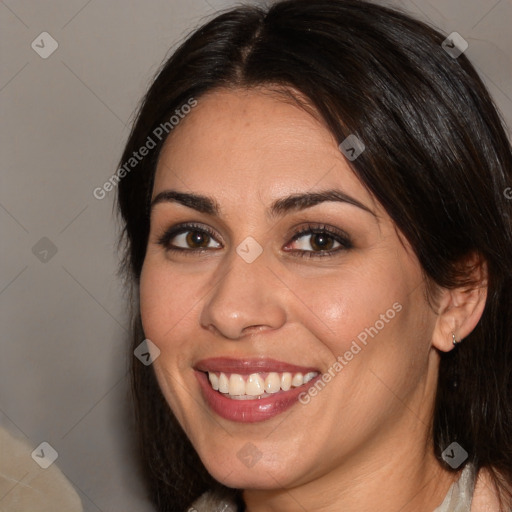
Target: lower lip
x=249, y=411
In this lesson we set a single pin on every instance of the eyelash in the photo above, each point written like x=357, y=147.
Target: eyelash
x=311, y=229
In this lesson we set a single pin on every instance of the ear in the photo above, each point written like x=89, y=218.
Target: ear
x=460, y=309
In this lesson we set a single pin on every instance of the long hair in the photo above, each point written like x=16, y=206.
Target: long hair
x=437, y=158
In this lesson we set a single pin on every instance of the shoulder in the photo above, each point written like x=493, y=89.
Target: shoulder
x=485, y=498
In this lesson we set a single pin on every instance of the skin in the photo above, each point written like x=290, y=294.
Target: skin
x=358, y=442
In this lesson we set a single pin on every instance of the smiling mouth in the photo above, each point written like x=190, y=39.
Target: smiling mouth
x=255, y=386
x=248, y=390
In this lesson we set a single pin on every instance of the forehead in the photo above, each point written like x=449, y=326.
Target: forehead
x=252, y=143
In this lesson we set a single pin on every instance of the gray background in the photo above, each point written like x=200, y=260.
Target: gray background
x=63, y=362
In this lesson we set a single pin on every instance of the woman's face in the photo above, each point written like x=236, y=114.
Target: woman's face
x=269, y=262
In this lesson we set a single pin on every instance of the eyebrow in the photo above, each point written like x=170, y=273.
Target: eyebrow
x=294, y=202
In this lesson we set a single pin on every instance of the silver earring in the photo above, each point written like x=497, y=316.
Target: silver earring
x=454, y=340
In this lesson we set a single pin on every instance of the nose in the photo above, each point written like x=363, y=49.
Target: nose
x=246, y=299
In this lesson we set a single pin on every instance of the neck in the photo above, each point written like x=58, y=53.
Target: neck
x=405, y=486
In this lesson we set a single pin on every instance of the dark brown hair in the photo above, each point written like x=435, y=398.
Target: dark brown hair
x=437, y=158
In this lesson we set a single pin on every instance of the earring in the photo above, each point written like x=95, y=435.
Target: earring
x=454, y=340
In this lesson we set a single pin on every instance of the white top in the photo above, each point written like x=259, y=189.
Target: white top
x=458, y=498
x=460, y=494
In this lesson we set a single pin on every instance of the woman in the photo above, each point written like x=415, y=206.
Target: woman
x=319, y=238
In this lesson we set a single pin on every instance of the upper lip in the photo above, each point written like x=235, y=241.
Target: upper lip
x=249, y=365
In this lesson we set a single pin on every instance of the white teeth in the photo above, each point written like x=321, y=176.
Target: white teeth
x=298, y=380
x=223, y=383
x=286, y=381
x=243, y=397
x=309, y=376
x=254, y=386
x=273, y=383
x=214, y=381
x=236, y=385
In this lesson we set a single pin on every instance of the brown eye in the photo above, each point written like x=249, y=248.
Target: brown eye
x=321, y=242
x=197, y=239
x=315, y=242
x=188, y=238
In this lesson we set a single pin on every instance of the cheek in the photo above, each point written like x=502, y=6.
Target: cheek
x=167, y=305
x=167, y=300
x=350, y=305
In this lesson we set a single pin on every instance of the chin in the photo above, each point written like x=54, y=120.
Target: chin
x=248, y=469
